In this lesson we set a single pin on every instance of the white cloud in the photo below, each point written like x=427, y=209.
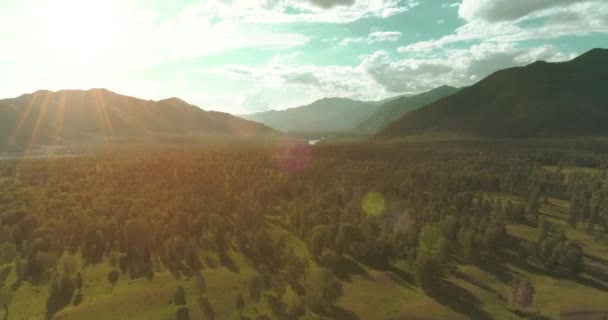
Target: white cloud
x=76, y=44
x=311, y=11
x=97, y=36
x=507, y=10
x=339, y=81
x=456, y=67
x=474, y=30
x=332, y=3
x=504, y=21
x=376, y=36
x=412, y=75
x=378, y=76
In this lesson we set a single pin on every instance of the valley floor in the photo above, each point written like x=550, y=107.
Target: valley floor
x=469, y=292
x=480, y=290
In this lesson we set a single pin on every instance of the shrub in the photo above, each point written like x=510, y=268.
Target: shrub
x=179, y=297
x=183, y=313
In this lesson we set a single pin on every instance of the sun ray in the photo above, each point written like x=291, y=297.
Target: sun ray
x=39, y=118
x=59, y=117
x=24, y=117
x=102, y=115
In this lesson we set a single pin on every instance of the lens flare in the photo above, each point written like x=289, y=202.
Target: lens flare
x=293, y=155
x=402, y=223
x=373, y=204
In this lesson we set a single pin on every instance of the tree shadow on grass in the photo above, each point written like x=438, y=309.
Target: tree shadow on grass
x=460, y=300
x=227, y=262
x=596, y=259
x=479, y=284
x=591, y=283
x=530, y=315
x=399, y=275
x=404, y=278
x=16, y=285
x=179, y=269
x=585, y=314
x=496, y=265
x=339, y=313
x=523, y=264
x=345, y=268
x=596, y=273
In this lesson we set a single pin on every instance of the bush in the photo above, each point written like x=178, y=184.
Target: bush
x=522, y=293
x=5, y=272
x=77, y=299
x=256, y=285
x=206, y=308
x=8, y=252
x=276, y=305
x=296, y=309
x=322, y=291
x=183, y=313
x=123, y=263
x=179, y=297
x=113, y=277
x=60, y=294
x=240, y=302
x=79, y=281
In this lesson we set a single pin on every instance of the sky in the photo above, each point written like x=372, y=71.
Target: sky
x=245, y=56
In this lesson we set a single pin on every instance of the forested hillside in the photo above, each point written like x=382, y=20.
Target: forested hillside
x=100, y=116
x=538, y=100
x=367, y=231
x=394, y=109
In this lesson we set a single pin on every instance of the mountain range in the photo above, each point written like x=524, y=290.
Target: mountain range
x=393, y=109
x=341, y=115
x=538, y=100
x=46, y=117
x=325, y=115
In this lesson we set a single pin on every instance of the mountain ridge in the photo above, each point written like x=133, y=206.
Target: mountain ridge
x=540, y=99
x=332, y=114
x=51, y=117
x=393, y=109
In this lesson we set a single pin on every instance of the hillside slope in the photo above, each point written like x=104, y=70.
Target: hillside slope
x=330, y=114
x=46, y=117
x=394, y=109
x=541, y=99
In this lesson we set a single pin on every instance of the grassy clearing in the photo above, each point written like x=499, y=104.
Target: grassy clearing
x=557, y=296
x=384, y=296
x=470, y=292
x=145, y=298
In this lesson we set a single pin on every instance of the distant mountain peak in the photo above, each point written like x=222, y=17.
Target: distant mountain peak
x=100, y=90
x=595, y=52
x=444, y=87
x=393, y=109
x=329, y=99
x=593, y=56
x=330, y=114
x=174, y=100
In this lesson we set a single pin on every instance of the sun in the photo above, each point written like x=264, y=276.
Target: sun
x=74, y=39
